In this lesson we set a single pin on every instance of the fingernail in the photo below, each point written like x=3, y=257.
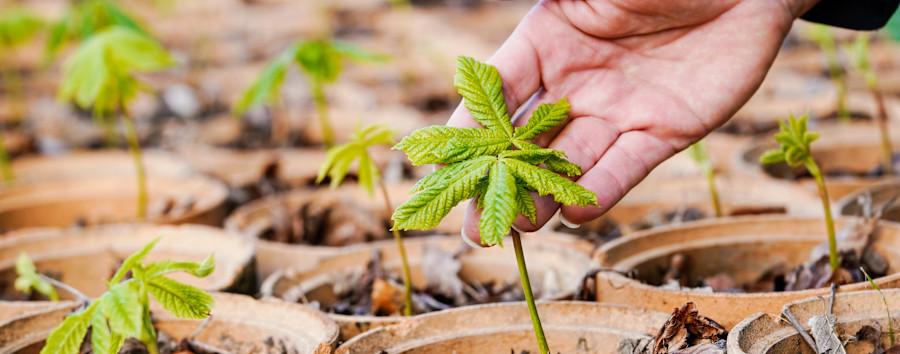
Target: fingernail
x=468, y=240
x=568, y=223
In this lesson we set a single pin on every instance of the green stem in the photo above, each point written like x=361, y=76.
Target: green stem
x=714, y=192
x=407, y=279
x=321, y=102
x=5, y=164
x=529, y=296
x=836, y=72
x=882, y=118
x=149, y=333
x=134, y=146
x=829, y=222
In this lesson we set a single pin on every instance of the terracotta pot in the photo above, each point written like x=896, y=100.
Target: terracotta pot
x=744, y=248
x=259, y=220
x=765, y=333
x=782, y=92
x=86, y=164
x=842, y=148
x=86, y=258
x=239, y=324
x=881, y=194
x=570, y=327
x=12, y=309
x=111, y=199
x=550, y=266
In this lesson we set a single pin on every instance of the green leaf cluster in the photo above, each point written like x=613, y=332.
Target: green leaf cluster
x=29, y=279
x=700, y=155
x=498, y=165
x=795, y=142
x=85, y=18
x=321, y=61
x=122, y=312
x=100, y=73
x=338, y=159
x=17, y=26
x=858, y=51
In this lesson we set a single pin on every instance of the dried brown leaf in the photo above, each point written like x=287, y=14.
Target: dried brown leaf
x=687, y=327
x=386, y=299
x=441, y=268
x=822, y=329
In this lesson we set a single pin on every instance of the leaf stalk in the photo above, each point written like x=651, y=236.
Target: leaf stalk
x=529, y=296
x=826, y=204
x=407, y=278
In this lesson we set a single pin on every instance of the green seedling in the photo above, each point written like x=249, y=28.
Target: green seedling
x=859, y=56
x=795, y=150
x=497, y=165
x=337, y=163
x=82, y=19
x=29, y=279
x=699, y=154
x=17, y=27
x=100, y=74
x=321, y=61
x=887, y=308
x=822, y=36
x=124, y=312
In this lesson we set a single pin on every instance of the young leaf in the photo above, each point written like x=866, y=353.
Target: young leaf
x=556, y=164
x=438, y=176
x=795, y=143
x=338, y=159
x=85, y=18
x=103, y=340
x=133, y=260
x=67, y=338
x=441, y=144
x=319, y=60
x=265, y=88
x=525, y=202
x=545, y=117
x=30, y=279
x=164, y=267
x=535, y=156
x=499, y=206
x=17, y=26
x=182, y=300
x=355, y=53
x=546, y=182
x=119, y=303
x=426, y=209
x=482, y=89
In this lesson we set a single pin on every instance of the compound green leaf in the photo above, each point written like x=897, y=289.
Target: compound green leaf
x=67, y=338
x=265, y=88
x=534, y=156
x=525, y=203
x=28, y=279
x=499, y=206
x=122, y=305
x=103, y=339
x=438, y=176
x=182, y=300
x=367, y=174
x=482, y=91
x=355, y=53
x=133, y=260
x=164, y=267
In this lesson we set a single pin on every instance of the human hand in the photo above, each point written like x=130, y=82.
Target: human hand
x=645, y=80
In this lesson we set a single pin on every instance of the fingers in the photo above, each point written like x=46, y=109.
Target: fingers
x=518, y=65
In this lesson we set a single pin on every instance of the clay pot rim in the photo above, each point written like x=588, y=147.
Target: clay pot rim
x=41, y=234
x=181, y=168
x=886, y=183
x=619, y=280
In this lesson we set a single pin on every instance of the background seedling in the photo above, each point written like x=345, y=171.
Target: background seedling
x=481, y=163
x=859, y=56
x=822, y=36
x=17, y=27
x=100, y=74
x=795, y=143
x=336, y=164
x=29, y=279
x=85, y=18
x=700, y=155
x=887, y=308
x=322, y=62
x=123, y=311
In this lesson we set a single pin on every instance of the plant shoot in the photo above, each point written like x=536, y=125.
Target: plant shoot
x=822, y=36
x=100, y=74
x=337, y=163
x=859, y=56
x=497, y=165
x=700, y=155
x=795, y=150
x=29, y=279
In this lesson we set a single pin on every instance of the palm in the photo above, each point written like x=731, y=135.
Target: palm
x=645, y=80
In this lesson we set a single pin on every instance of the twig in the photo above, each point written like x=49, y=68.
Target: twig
x=799, y=327
x=831, y=300
x=202, y=326
x=80, y=295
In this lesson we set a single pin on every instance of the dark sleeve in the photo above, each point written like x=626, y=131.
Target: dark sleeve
x=852, y=14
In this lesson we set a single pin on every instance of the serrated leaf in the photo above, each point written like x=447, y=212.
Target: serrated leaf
x=446, y=145
x=499, y=206
x=525, y=203
x=337, y=163
x=133, y=260
x=482, y=91
x=795, y=143
x=265, y=88
x=426, y=209
x=28, y=279
x=103, y=340
x=534, y=156
x=543, y=119
x=546, y=182
x=67, y=338
x=367, y=174
x=164, y=267
x=560, y=165
x=122, y=306
x=439, y=175
x=182, y=300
